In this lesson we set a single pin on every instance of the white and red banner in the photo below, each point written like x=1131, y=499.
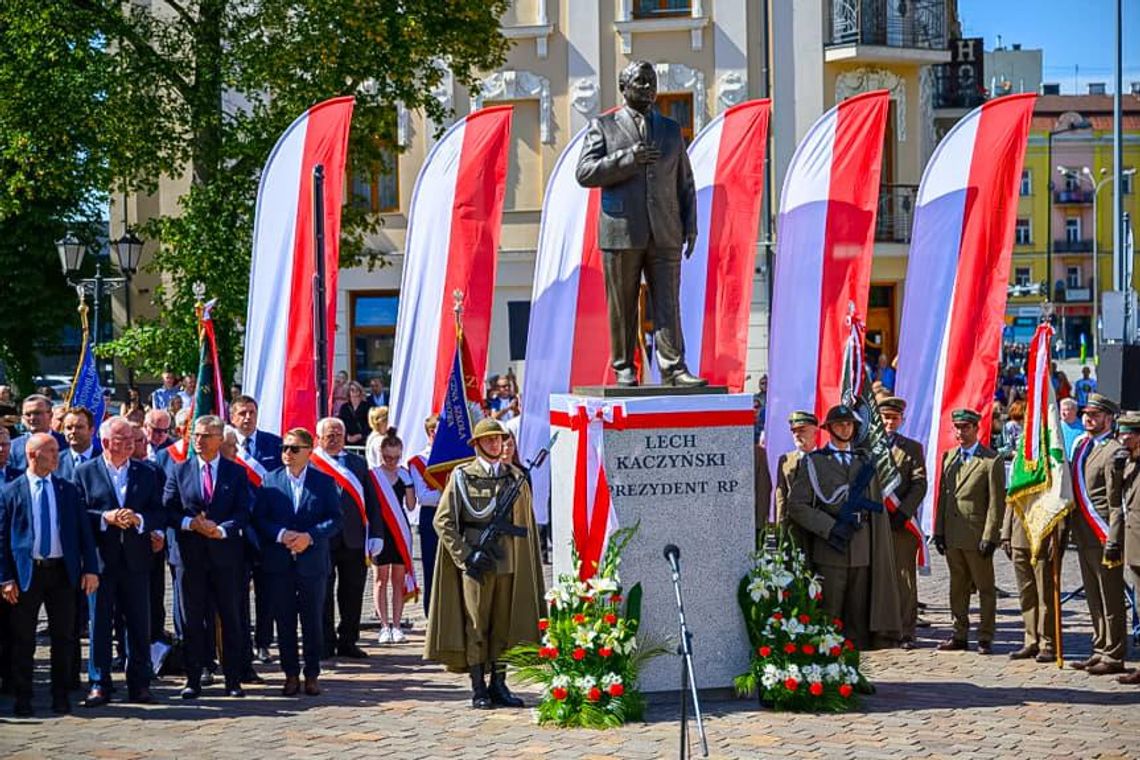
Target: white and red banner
x=280, y=341
x=451, y=245
x=345, y=478
x=716, y=281
x=568, y=339
x=253, y=469
x=960, y=252
x=824, y=245
x=399, y=528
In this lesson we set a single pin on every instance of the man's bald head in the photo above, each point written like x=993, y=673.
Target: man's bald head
x=43, y=454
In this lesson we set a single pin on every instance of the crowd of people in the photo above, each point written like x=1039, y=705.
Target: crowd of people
x=253, y=535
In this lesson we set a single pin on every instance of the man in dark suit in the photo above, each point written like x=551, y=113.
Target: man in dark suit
x=265, y=448
x=79, y=430
x=208, y=499
x=46, y=553
x=36, y=413
x=360, y=535
x=648, y=212
x=157, y=427
x=297, y=510
x=124, y=502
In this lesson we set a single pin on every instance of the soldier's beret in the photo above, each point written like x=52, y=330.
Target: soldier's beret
x=1102, y=403
x=1129, y=422
x=800, y=417
x=893, y=402
x=486, y=428
x=965, y=416
x=840, y=413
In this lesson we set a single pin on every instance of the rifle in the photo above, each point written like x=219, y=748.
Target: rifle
x=486, y=551
x=850, y=517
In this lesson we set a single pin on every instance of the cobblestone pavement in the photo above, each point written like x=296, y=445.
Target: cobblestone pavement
x=928, y=705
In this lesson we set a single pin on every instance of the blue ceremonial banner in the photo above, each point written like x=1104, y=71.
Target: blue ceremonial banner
x=86, y=390
x=449, y=448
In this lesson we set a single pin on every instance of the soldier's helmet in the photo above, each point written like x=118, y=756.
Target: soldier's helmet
x=840, y=413
x=487, y=428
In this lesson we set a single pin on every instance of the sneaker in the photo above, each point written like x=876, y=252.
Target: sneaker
x=385, y=636
x=398, y=636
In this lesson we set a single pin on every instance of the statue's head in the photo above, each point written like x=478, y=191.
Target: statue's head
x=638, y=85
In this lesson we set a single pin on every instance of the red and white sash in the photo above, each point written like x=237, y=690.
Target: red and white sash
x=419, y=464
x=344, y=478
x=179, y=450
x=253, y=469
x=396, y=518
x=1084, y=447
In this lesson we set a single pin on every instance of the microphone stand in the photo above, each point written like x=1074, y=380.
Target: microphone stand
x=685, y=649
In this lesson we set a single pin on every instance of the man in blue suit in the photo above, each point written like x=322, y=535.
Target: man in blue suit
x=208, y=501
x=125, y=504
x=296, y=512
x=46, y=553
x=79, y=431
x=7, y=473
x=36, y=413
x=265, y=448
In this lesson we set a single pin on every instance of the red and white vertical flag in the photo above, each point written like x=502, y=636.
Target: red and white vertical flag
x=960, y=253
x=280, y=341
x=451, y=245
x=568, y=339
x=716, y=281
x=824, y=242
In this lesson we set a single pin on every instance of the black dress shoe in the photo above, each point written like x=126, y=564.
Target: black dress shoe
x=1104, y=668
x=119, y=664
x=352, y=652
x=1046, y=655
x=292, y=686
x=61, y=705
x=236, y=692
x=1085, y=664
x=208, y=677
x=191, y=691
x=907, y=644
x=312, y=688
x=952, y=645
x=251, y=676
x=685, y=379
x=1025, y=653
x=142, y=697
x=626, y=378
x=23, y=709
x=97, y=697
x=985, y=647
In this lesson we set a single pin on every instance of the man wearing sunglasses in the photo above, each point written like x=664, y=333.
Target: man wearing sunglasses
x=208, y=501
x=297, y=510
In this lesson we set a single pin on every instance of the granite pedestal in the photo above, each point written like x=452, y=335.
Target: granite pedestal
x=682, y=467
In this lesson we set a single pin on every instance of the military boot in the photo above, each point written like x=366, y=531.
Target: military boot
x=500, y=694
x=480, y=697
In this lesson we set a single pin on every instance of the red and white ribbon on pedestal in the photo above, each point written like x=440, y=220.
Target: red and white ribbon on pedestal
x=594, y=516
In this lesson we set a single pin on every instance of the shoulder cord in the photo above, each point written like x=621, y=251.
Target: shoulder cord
x=838, y=495
x=461, y=487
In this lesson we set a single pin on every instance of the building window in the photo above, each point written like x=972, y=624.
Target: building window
x=657, y=8
x=1072, y=180
x=1022, y=234
x=1073, y=229
x=1072, y=278
x=1026, y=183
x=372, y=334
x=678, y=106
x=1021, y=276
x=518, y=320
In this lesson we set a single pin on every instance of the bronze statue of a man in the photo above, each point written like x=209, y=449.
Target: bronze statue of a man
x=648, y=213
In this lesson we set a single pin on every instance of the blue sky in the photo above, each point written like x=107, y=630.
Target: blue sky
x=1076, y=35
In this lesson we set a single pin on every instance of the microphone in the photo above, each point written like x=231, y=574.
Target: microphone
x=673, y=555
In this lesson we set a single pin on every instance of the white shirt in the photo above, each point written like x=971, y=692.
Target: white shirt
x=297, y=487
x=843, y=456
x=426, y=496
x=119, y=483
x=491, y=468
x=34, y=484
x=79, y=457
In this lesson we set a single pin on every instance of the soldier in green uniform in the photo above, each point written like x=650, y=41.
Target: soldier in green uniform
x=967, y=528
x=852, y=551
x=805, y=434
x=474, y=620
x=911, y=462
x=1128, y=426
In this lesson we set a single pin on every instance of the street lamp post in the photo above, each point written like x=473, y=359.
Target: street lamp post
x=71, y=250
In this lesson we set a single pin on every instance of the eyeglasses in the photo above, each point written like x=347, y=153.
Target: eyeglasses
x=293, y=448
x=158, y=429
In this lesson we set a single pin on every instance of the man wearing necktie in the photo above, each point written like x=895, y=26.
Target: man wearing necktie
x=46, y=553
x=208, y=500
x=296, y=512
x=349, y=546
x=852, y=551
x=804, y=427
x=967, y=528
x=1098, y=531
x=124, y=502
x=648, y=214
x=79, y=430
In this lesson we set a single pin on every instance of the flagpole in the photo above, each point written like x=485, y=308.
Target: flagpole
x=84, y=347
x=319, y=327
x=1058, y=642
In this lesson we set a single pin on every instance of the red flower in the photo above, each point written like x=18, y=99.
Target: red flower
x=786, y=594
x=777, y=615
x=848, y=645
x=559, y=693
x=579, y=618
x=818, y=596
x=616, y=690
x=605, y=651
x=543, y=624
x=789, y=648
x=610, y=618
x=835, y=651
x=764, y=651
x=837, y=623
x=594, y=694
x=845, y=690
x=791, y=684
x=805, y=618
x=579, y=654
x=548, y=653
x=616, y=598
x=808, y=649
x=816, y=689
x=587, y=599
